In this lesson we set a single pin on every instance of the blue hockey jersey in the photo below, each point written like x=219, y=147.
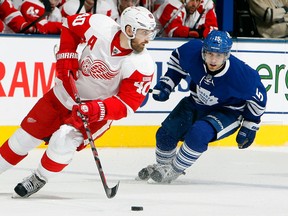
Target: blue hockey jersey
x=237, y=88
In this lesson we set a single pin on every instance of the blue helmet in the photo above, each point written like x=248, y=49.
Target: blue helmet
x=218, y=41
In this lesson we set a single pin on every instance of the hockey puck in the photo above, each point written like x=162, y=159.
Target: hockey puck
x=136, y=208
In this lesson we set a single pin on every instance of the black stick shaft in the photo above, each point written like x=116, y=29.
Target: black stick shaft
x=110, y=192
x=48, y=10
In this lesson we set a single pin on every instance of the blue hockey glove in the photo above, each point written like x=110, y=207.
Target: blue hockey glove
x=246, y=134
x=164, y=87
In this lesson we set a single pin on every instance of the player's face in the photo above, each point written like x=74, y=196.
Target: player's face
x=142, y=38
x=214, y=61
x=54, y=3
x=192, y=6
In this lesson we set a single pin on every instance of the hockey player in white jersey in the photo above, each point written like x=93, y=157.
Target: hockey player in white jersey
x=113, y=76
x=226, y=94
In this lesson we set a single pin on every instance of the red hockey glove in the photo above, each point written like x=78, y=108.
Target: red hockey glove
x=67, y=61
x=31, y=30
x=193, y=34
x=93, y=110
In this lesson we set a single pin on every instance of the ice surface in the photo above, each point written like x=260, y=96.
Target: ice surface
x=223, y=182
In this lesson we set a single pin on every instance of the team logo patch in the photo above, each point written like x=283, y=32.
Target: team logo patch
x=97, y=69
x=85, y=108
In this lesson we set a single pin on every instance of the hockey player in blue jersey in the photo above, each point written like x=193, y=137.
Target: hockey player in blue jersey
x=225, y=95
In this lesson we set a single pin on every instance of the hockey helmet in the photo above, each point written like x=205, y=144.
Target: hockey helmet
x=138, y=18
x=217, y=41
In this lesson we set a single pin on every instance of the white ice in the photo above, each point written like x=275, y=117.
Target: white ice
x=223, y=182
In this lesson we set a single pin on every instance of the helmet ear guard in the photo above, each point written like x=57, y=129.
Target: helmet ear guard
x=138, y=18
x=218, y=42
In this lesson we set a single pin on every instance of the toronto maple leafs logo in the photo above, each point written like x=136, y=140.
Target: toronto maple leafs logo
x=205, y=96
x=218, y=39
x=97, y=69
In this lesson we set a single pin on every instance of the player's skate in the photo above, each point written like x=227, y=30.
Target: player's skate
x=164, y=174
x=29, y=186
x=144, y=174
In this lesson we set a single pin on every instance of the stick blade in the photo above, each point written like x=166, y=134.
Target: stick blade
x=111, y=192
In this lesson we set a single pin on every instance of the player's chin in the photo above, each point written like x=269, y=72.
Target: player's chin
x=212, y=67
x=139, y=48
x=192, y=10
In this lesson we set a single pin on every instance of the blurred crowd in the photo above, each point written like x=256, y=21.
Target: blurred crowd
x=175, y=18
x=271, y=17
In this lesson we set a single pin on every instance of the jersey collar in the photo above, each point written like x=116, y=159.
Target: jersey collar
x=116, y=49
x=221, y=71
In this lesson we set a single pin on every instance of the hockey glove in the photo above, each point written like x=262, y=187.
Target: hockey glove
x=193, y=34
x=94, y=111
x=31, y=30
x=164, y=86
x=246, y=134
x=67, y=61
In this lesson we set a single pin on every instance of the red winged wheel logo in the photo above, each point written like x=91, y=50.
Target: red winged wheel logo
x=97, y=69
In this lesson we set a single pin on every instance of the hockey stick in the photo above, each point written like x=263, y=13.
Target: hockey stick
x=174, y=16
x=94, y=6
x=197, y=21
x=48, y=10
x=154, y=91
x=81, y=3
x=110, y=192
x=200, y=16
x=170, y=20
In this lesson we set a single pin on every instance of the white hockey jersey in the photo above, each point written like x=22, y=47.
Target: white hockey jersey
x=118, y=76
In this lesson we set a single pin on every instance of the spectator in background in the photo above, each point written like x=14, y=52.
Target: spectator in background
x=151, y=5
x=120, y=6
x=11, y=20
x=103, y=7
x=71, y=7
x=109, y=8
x=51, y=23
x=193, y=18
x=271, y=17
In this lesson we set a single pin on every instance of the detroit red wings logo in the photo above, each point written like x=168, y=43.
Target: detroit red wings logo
x=97, y=69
